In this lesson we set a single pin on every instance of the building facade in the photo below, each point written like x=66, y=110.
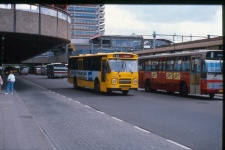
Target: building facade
x=86, y=21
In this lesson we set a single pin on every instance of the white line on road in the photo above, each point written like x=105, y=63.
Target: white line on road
x=117, y=119
x=178, y=144
x=77, y=102
x=70, y=99
x=100, y=112
x=87, y=106
x=141, y=129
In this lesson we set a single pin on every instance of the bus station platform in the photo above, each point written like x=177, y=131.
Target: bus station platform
x=22, y=129
x=18, y=130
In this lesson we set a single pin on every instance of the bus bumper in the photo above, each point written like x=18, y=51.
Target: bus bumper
x=216, y=91
x=120, y=89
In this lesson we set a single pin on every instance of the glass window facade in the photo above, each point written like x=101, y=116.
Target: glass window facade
x=85, y=21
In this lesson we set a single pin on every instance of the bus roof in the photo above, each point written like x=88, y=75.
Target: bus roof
x=183, y=53
x=101, y=54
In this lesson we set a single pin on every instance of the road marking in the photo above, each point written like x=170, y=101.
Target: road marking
x=141, y=129
x=63, y=96
x=87, y=106
x=117, y=119
x=100, y=112
x=70, y=99
x=178, y=144
x=77, y=102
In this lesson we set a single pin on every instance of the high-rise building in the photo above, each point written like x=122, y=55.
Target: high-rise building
x=86, y=21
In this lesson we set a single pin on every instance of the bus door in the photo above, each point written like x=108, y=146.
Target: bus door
x=195, y=74
x=103, y=69
x=160, y=74
x=163, y=75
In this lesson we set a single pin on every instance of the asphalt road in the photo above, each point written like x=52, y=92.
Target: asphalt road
x=193, y=121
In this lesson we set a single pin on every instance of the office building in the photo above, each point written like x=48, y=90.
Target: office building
x=86, y=21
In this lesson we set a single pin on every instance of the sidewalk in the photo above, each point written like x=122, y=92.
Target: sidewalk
x=18, y=129
x=83, y=128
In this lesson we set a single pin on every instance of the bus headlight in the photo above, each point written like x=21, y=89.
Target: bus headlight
x=135, y=81
x=114, y=81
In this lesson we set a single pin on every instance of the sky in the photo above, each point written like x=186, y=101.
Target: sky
x=186, y=20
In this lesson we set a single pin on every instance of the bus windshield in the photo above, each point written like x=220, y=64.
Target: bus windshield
x=123, y=65
x=214, y=66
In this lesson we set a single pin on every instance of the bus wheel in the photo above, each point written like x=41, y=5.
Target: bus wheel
x=97, y=86
x=183, y=89
x=109, y=91
x=211, y=95
x=125, y=92
x=147, y=86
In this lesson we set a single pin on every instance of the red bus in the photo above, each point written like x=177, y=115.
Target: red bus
x=195, y=72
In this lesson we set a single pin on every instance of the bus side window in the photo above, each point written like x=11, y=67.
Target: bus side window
x=198, y=65
x=169, y=66
x=148, y=65
x=160, y=65
x=97, y=64
x=193, y=65
x=177, y=65
x=185, y=65
x=80, y=64
x=164, y=66
x=85, y=64
x=140, y=66
x=155, y=65
x=203, y=67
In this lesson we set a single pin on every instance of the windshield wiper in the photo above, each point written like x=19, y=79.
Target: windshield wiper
x=130, y=71
x=120, y=67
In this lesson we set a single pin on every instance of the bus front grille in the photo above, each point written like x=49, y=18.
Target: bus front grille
x=124, y=81
x=124, y=86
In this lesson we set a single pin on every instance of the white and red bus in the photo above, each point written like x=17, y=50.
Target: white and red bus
x=56, y=70
x=194, y=72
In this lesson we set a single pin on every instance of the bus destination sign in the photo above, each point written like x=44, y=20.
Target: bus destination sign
x=122, y=56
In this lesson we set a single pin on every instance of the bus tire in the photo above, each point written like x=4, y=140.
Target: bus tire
x=125, y=92
x=109, y=91
x=75, y=83
x=211, y=95
x=97, y=86
x=183, y=91
x=147, y=86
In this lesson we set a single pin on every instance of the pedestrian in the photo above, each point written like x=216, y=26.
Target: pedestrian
x=1, y=82
x=10, y=82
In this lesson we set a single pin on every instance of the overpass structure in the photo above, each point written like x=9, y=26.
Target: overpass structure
x=211, y=44
x=30, y=30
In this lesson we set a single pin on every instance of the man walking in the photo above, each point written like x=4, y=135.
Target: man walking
x=10, y=82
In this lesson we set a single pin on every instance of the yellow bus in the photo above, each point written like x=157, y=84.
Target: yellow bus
x=104, y=72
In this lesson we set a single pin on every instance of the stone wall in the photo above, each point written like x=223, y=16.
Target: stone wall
x=6, y=20
x=29, y=23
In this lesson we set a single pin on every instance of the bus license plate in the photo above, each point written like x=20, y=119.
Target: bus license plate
x=125, y=89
